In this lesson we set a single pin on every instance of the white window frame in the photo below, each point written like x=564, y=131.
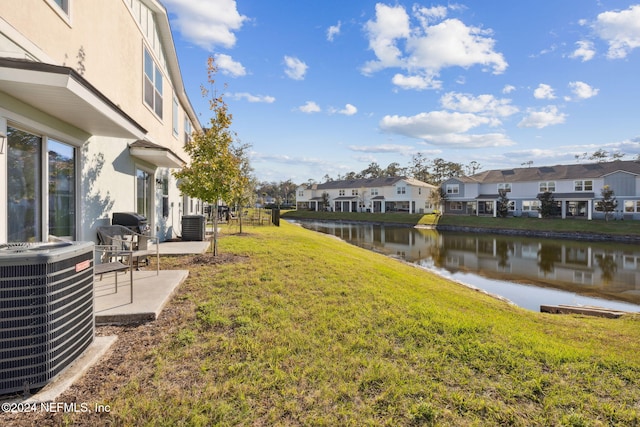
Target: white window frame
x=63, y=9
x=455, y=206
x=632, y=206
x=583, y=185
x=341, y=193
x=401, y=190
x=453, y=188
x=176, y=115
x=156, y=81
x=506, y=186
x=354, y=192
x=187, y=129
x=545, y=186
x=374, y=191
x=530, y=205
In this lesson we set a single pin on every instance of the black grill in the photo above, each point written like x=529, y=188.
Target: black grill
x=132, y=220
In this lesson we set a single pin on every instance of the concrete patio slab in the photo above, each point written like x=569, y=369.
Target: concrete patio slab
x=151, y=292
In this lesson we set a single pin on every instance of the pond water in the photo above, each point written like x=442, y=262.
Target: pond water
x=527, y=271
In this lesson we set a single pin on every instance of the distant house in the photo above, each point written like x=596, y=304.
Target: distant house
x=576, y=190
x=393, y=194
x=93, y=118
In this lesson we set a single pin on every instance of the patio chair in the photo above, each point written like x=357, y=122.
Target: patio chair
x=113, y=259
x=128, y=240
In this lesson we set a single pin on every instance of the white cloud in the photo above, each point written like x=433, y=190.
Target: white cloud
x=621, y=30
x=582, y=90
x=508, y=89
x=445, y=128
x=539, y=119
x=348, y=110
x=416, y=82
x=228, y=66
x=253, y=98
x=584, y=51
x=426, y=125
x=543, y=91
x=423, y=50
x=207, y=23
x=310, y=107
x=482, y=104
x=295, y=68
x=333, y=31
x=474, y=141
x=391, y=24
x=427, y=15
x=383, y=148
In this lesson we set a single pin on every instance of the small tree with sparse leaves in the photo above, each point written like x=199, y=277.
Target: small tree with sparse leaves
x=503, y=203
x=548, y=206
x=214, y=170
x=608, y=204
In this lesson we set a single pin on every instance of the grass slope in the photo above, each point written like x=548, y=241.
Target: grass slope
x=307, y=330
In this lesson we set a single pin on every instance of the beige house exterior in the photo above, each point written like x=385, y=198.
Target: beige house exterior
x=93, y=118
x=377, y=195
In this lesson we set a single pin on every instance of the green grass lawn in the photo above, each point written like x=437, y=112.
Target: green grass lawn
x=305, y=329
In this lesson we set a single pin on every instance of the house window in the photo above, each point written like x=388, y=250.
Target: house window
x=401, y=190
x=547, y=186
x=62, y=189
x=341, y=192
x=354, y=192
x=176, y=113
x=455, y=206
x=152, y=84
x=504, y=186
x=583, y=185
x=453, y=188
x=165, y=197
x=29, y=195
x=301, y=193
x=374, y=191
x=63, y=4
x=632, y=206
x=530, y=205
x=143, y=192
x=187, y=129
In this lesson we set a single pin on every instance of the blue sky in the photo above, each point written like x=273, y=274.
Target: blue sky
x=327, y=87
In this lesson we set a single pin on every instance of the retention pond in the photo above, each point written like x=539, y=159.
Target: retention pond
x=529, y=272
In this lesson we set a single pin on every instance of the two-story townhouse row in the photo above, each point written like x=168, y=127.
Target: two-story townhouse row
x=390, y=194
x=93, y=118
x=576, y=190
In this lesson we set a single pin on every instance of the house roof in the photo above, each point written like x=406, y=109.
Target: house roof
x=557, y=172
x=155, y=154
x=64, y=94
x=370, y=183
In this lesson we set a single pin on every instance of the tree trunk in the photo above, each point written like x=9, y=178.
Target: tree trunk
x=214, y=246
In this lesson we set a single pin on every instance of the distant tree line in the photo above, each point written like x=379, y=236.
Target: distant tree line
x=431, y=171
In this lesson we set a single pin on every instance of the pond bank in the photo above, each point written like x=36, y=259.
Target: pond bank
x=631, y=237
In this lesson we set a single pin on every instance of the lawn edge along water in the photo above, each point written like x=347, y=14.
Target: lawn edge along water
x=575, y=229
x=305, y=329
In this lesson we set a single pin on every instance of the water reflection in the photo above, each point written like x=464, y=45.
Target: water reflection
x=520, y=269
